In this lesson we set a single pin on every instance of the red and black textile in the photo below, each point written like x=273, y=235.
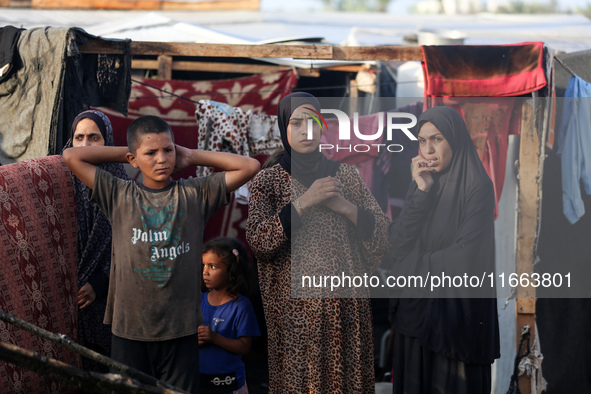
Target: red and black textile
x=483, y=70
x=259, y=93
x=481, y=82
x=38, y=282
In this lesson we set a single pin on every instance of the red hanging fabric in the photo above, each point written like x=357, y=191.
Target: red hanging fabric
x=483, y=70
x=481, y=83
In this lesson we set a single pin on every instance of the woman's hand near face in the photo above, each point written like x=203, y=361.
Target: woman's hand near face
x=321, y=190
x=421, y=173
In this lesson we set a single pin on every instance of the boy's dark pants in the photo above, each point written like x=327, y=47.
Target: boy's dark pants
x=175, y=361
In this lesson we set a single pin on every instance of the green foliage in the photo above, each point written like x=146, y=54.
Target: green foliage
x=520, y=7
x=356, y=5
x=585, y=10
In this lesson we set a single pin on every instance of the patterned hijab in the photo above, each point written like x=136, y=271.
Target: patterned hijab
x=94, y=229
x=306, y=168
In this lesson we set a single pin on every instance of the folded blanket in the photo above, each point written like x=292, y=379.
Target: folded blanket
x=38, y=251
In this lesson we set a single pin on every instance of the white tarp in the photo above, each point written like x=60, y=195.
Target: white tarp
x=564, y=32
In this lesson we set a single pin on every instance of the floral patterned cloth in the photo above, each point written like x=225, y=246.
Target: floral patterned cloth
x=222, y=128
x=175, y=101
x=38, y=283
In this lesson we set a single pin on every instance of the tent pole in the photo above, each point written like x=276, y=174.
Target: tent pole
x=531, y=155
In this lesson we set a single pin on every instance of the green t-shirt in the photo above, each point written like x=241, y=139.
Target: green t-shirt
x=154, y=289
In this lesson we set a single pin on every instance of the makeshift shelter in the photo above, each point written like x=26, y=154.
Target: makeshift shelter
x=522, y=208
x=49, y=84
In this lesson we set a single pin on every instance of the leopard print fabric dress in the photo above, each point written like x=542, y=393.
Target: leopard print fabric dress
x=318, y=342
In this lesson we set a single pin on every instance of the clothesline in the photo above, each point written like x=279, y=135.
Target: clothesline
x=567, y=68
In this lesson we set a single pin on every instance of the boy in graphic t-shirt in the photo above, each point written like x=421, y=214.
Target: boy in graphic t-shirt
x=153, y=304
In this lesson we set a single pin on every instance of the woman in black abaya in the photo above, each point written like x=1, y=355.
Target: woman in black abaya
x=444, y=344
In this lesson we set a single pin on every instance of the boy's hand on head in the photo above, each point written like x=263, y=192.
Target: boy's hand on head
x=82, y=161
x=183, y=158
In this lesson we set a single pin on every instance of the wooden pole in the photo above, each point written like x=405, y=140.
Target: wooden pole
x=165, y=67
x=235, y=67
x=66, y=342
x=168, y=5
x=312, y=51
x=90, y=382
x=531, y=160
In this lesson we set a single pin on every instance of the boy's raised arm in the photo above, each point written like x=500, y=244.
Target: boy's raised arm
x=82, y=161
x=239, y=169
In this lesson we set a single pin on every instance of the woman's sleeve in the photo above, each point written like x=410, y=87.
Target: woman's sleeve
x=264, y=229
x=472, y=252
x=405, y=229
x=100, y=283
x=372, y=222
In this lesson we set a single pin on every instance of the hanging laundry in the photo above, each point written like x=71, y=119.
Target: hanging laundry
x=455, y=73
x=30, y=123
x=574, y=147
x=490, y=121
x=242, y=194
x=52, y=84
x=38, y=280
x=259, y=93
x=264, y=134
x=222, y=128
x=483, y=70
x=9, y=36
x=355, y=149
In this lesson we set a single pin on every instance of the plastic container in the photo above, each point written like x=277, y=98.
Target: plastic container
x=441, y=37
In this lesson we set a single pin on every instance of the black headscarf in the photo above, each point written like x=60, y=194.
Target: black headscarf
x=450, y=239
x=308, y=167
x=453, y=185
x=98, y=120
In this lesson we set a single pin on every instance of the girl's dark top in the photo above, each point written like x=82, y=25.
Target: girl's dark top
x=448, y=229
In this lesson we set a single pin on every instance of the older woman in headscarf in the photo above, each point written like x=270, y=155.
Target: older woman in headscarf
x=445, y=342
x=94, y=241
x=312, y=216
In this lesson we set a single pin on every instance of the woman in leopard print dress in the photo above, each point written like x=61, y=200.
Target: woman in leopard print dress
x=310, y=217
